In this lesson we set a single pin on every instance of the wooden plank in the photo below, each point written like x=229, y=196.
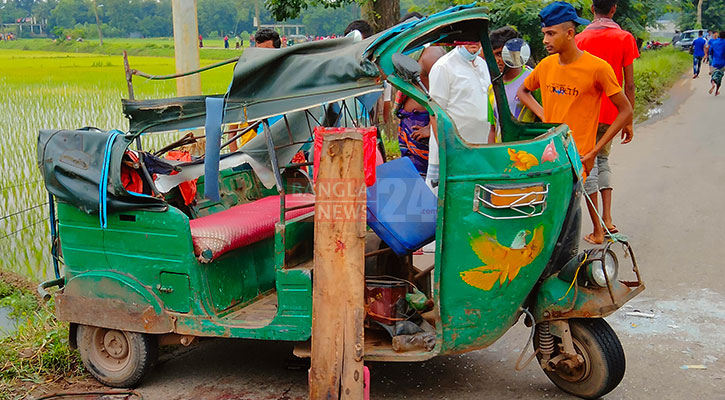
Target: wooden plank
x=338, y=298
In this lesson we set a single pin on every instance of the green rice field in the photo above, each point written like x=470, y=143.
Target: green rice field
x=56, y=90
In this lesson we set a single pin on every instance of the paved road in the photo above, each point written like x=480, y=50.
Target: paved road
x=668, y=199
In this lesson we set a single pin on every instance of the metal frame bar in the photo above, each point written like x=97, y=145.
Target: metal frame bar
x=517, y=205
x=275, y=167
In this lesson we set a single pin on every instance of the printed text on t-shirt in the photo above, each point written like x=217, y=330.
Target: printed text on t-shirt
x=561, y=89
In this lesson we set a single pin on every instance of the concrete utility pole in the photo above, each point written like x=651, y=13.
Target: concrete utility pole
x=98, y=23
x=186, y=46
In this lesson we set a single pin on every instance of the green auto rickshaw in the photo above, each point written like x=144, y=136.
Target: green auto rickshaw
x=158, y=249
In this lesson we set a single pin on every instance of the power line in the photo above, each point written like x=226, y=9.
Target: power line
x=22, y=211
x=20, y=184
x=25, y=227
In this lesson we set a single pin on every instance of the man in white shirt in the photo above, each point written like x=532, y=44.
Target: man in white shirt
x=459, y=84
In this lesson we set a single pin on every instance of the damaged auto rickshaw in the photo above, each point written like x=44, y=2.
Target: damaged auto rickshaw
x=162, y=249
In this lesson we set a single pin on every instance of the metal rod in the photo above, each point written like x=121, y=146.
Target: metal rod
x=182, y=74
x=424, y=272
x=186, y=139
x=308, y=205
x=241, y=133
x=378, y=252
x=291, y=144
x=297, y=165
x=275, y=167
x=289, y=131
x=129, y=83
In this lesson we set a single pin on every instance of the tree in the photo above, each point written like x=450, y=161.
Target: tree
x=712, y=17
x=317, y=19
x=633, y=15
x=381, y=14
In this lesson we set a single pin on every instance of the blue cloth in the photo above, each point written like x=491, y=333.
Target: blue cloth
x=213, y=127
x=717, y=51
x=698, y=47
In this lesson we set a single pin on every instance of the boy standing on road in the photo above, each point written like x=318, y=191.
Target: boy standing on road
x=512, y=79
x=572, y=84
x=605, y=39
x=698, y=53
x=717, y=53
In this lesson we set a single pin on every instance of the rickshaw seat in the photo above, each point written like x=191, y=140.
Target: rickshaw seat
x=401, y=208
x=242, y=225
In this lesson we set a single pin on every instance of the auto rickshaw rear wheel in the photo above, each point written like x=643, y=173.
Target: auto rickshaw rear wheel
x=116, y=358
x=603, y=358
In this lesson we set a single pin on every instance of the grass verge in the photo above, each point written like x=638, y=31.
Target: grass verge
x=654, y=73
x=161, y=47
x=38, y=352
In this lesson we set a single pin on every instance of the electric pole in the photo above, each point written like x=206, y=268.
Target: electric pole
x=186, y=49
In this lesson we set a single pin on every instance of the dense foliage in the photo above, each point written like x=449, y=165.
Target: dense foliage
x=713, y=15
x=152, y=18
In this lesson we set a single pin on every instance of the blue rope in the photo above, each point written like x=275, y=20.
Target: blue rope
x=103, y=185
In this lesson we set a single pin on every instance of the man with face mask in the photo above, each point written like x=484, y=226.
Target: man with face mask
x=459, y=83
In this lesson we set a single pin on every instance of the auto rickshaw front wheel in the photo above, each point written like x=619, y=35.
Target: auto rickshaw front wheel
x=603, y=363
x=116, y=358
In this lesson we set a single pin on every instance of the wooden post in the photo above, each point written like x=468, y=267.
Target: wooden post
x=339, y=274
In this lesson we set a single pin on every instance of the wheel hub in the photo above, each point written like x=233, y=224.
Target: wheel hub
x=110, y=349
x=574, y=370
x=115, y=344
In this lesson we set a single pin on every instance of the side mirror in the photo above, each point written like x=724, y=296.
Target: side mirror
x=406, y=67
x=516, y=53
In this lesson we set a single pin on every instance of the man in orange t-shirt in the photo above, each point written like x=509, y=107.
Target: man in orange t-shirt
x=606, y=40
x=572, y=83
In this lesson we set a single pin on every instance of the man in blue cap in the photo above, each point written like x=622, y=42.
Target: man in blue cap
x=572, y=84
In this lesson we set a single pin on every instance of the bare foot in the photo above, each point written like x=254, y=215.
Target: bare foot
x=594, y=238
x=711, y=89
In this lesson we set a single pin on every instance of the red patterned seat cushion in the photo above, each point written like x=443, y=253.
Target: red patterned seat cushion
x=242, y=225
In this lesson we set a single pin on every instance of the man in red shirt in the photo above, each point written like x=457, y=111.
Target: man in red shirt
x=606, y=40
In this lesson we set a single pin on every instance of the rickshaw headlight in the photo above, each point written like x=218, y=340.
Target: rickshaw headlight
x=596, y=271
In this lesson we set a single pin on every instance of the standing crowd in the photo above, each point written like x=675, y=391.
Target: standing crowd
x=586, y=82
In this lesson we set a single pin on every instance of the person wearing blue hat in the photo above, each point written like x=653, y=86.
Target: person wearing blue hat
x=572, y=84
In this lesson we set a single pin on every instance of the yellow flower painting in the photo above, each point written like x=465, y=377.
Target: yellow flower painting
x=522, y=160
x=502, y=263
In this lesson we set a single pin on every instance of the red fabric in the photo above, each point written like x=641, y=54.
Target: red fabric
x=615, y=46
x=188, y=188
x=370, y=138
x=243, y=225
x=131, y=180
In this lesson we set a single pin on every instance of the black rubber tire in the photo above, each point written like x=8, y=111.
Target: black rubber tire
x=606, y=355
x=142, y=352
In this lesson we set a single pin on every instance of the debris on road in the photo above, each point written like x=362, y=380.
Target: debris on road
x=640, y=314
x=695, y=366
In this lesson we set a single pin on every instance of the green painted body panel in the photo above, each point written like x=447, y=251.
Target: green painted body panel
x=474, y=317
x=236, y=186
x=239, y=276
x=175, y=291
x=142, y=254
x=83, y=246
